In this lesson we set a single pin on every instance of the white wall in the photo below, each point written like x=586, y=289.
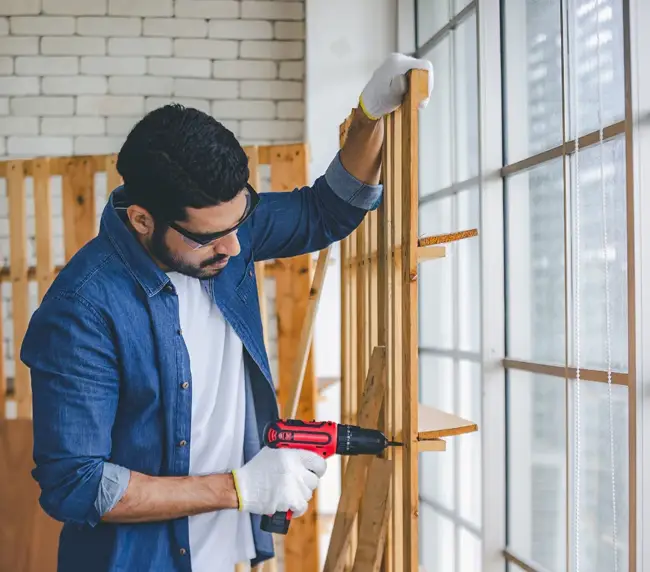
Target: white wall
x=76, y=74
x=345, y=41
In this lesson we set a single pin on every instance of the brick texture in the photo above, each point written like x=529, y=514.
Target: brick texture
x=76, y=75
x=79, y=73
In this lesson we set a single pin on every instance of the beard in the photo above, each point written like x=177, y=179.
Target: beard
x=159, y=250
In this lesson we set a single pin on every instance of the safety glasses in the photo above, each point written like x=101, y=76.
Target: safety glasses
x=196, y=241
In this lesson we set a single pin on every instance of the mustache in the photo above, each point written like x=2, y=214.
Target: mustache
x=216, y=258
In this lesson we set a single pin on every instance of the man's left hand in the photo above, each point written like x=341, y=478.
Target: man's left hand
x=385, y=91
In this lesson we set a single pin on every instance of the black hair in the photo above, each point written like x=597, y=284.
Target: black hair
x=177, y=157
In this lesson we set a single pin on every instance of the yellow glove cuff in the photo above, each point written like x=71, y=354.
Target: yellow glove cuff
x=237, y=490
x=365, y=111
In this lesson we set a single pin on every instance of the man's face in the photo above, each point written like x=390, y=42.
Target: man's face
x=176, y=252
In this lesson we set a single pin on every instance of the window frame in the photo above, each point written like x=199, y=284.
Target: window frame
x=635, y=128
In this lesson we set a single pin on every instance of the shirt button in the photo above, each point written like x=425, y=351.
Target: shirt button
x=183, y=443
x=250, y=272
x=180, y=331
x=185, y=385
x=183, y=552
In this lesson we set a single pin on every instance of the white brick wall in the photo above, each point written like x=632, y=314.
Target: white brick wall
x=79, y=73
x=75, y=76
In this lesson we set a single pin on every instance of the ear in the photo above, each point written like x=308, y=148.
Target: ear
x=140, y=219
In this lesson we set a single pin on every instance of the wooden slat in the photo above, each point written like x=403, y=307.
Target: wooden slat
x=19, y=284
x=354, y=481
x=434, y=423
x=43, y=215
x=293, y=283
x=397, y=322
x=28, y=537
x=290, y=408
x=78, y=204
x=113, y=178
x=417, y=91
x=374, y=517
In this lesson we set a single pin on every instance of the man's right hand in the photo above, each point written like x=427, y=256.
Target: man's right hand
x=278, y=480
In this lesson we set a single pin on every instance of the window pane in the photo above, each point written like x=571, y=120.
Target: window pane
x=596, y=520
x=467, y=254
x=533, y=74
x=460, y=4
x=437, y=552
x=595, y=166
x=432, y=15
x=436, y=280
x=470, y=552
x=537, y=468
x=436, y=124
x=469, y=446
x=436, y=475
x=465, y=100
x=535, y=264
x=598, y=78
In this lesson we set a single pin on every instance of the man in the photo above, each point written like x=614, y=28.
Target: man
x=150, y=379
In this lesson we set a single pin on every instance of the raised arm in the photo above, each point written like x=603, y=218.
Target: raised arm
x=310, y=218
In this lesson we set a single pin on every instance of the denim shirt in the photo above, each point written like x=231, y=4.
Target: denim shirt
x=108, y=366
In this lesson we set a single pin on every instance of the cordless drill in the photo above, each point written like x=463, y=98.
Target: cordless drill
x=325, y=438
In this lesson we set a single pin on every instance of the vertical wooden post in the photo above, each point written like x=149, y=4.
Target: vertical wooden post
x=113, y=178
x=19, y=284
x=293, y=283
x=78, y=204
x=43, y=214
x=416, y=93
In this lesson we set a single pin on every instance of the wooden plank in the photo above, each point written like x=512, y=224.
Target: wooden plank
x=396, y=340
x=383, y=318
x=293, y=283
x=374, y=517
x=437, y=445
x=449, y=237
x=355, y=474
x=28, y=537
x=434, y=423
x=19, y=284
x=113, y=178
x=78, y=204
x=305, y=340
x=417, y=91
x=43, y=215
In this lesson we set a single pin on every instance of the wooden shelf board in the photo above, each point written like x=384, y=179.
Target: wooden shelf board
x=434, y=423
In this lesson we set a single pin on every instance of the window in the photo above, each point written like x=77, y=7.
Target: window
x=449, y=288
x=566, y=254
x=564, y=242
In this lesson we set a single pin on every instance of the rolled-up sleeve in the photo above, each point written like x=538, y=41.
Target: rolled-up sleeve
x=350, y=189
x=70, y=352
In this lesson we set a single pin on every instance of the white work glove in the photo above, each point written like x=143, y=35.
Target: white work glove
x=385, y=91
x=279, y=480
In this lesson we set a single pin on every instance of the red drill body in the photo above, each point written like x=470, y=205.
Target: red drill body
x=325, y=438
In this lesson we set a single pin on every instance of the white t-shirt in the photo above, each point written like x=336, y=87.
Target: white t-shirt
x=218, y=540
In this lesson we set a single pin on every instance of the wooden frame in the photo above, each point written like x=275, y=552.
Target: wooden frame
x=379, y=307
x=296, y=304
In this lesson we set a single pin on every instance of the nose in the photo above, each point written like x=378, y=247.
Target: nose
x=228, y=245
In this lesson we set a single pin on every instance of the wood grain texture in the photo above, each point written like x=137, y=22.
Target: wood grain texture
x=78, y=204
x=374, y=517
x=293, y=284
x=19, y=282
x=28, y=537
x=354, y=482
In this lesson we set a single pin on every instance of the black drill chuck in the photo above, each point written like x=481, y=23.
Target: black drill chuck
x=353, y=440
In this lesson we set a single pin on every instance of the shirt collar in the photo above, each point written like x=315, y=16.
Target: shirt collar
x=135, y=257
